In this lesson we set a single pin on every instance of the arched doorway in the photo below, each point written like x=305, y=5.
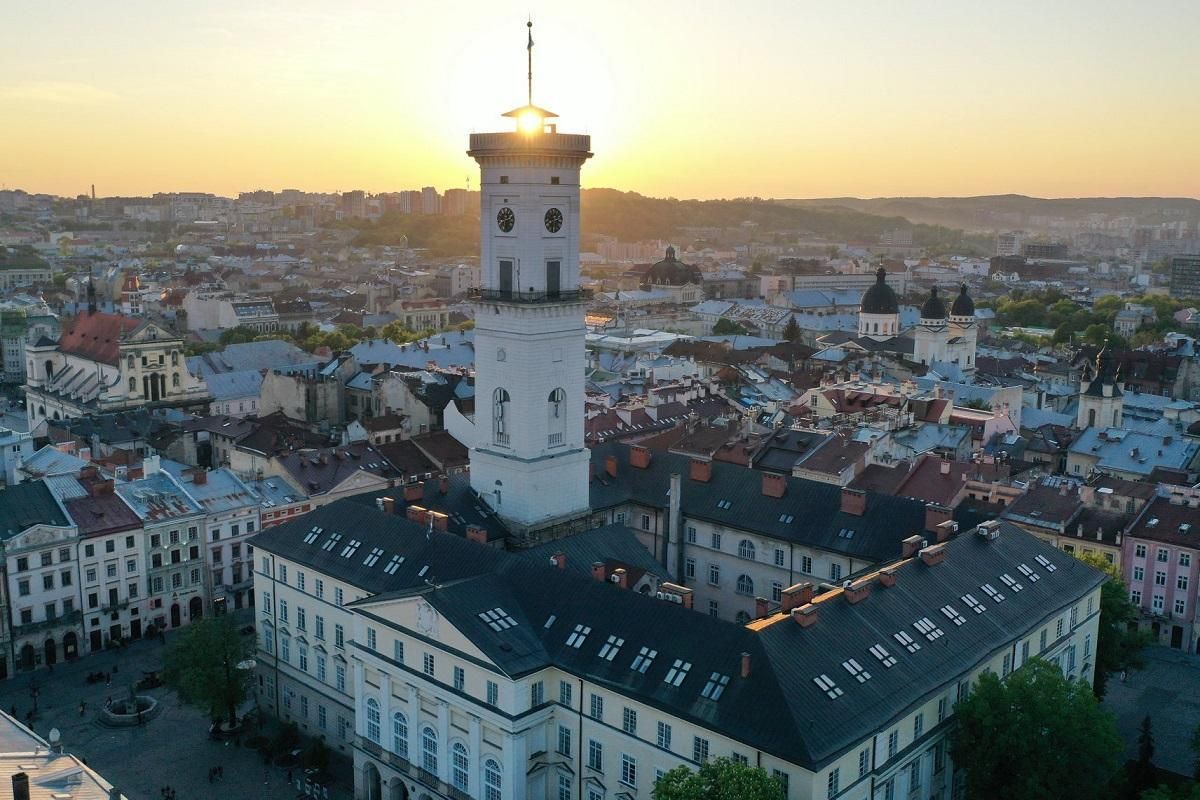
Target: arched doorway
x=397, y=790
x=28, y=657
x=70, y=646
x=195, y=608
x=372, y=783
x=175, y=620
x=50, y=648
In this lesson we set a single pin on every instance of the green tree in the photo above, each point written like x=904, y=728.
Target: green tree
x=1034, y=735
x=721, y=779
x=202, y=666
x=791, y=331
x=1188, y=792
x=1118, y=647
x=727, y=327
x=1143, y=768
x=239, y=335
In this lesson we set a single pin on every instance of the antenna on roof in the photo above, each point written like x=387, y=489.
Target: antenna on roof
x=529, y=58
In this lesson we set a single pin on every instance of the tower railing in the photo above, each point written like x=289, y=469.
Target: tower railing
x=514, y=296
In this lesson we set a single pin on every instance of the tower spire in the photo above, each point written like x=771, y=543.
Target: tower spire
x=529, y=60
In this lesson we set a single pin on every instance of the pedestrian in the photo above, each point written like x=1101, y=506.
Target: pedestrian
x=82, y=707
x=107, y=679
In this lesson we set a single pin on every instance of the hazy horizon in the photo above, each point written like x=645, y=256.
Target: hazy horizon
x=869, y=100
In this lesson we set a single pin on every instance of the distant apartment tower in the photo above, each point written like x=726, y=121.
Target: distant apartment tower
x=897, y=237
x=431, y=201
x=1054, y=250
x=1009, y=243
x=454, y=202
x=1185, y=276
x=354, y=205
x=410, y=202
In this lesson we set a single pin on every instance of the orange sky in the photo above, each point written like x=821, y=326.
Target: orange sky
x=688, y=99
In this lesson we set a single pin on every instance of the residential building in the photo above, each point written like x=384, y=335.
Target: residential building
x=1161, y=566
x=16, y=447
x=36, y=768
x=1185, y=276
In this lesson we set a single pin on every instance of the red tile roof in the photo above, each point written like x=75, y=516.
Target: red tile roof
x=96, y=336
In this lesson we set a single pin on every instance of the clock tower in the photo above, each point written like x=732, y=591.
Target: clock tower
x=528, y=459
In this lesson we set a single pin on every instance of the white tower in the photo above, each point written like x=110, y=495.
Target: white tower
x=929, y=337
x=528, y=459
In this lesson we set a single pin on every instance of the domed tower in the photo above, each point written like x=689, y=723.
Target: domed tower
x=528, y=459
x=1101, y=399
x=963, y=326
x=879, y=312
x=930, y=335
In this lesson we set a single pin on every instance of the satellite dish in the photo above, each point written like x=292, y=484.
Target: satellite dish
x=55, y=737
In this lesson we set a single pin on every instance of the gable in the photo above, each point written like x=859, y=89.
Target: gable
x=415, y=615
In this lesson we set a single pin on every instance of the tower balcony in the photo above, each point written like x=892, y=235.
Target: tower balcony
x=530, y=297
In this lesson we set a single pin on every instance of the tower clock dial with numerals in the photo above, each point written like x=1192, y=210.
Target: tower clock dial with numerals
x=554, y=220
x=506, y=219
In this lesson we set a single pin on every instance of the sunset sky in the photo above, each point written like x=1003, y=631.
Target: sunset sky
x=683, y=98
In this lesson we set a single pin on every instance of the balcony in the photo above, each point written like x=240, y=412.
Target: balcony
x=74, y=618
x=531, y=297
x=406, y=767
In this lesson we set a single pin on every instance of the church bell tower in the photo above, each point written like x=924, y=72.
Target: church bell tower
x=528, y=459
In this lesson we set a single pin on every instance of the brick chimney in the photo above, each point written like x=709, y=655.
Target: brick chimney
x=101, y=488
x=441, y=522
x=806, y=615
x=444, y=484
x=910, y=546
x=857, y=591
x=413, y=492
x=682, y=591
x=20, y=786
x=559, y=560
x=700, y=470
x=90, y=471
x=622, y=577
x=598, y=571
x=774, y=485
x=854, y=501
x=415, y=514
x=610, y=466
x=933, y=555
x=639, y=457
x=389, y=505
x=887, y=577
x=935, y=515
x=477, y=534
x=199, y=476
x=761, y=608
x=745, y=665
x=944, y=467
x=795, y=596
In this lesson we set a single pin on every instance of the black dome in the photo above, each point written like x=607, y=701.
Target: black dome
x=880, y=299
x=934, y=308
x=963, y=306
x=672, y=272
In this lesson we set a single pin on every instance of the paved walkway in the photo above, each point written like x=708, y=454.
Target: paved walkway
x=1168, y=689
x=171, y=749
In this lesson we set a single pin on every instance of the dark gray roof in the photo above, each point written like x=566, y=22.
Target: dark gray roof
x=27, y=504
x=963, y=305
x=458, y=502
x=879, y=297
x=778, y=708
x=934, y=308
x=616, y=544
x=808, y=513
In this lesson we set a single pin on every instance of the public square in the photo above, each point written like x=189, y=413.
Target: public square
x=172, y=749
x=1165, y=690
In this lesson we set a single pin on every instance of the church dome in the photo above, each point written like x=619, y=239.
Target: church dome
x=934, y=308
x=672, y=272
x=963, y=306
x=880, y=298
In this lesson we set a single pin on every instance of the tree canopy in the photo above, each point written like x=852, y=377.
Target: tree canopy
x=727, y=327
x=721, y=779
x=1034, y=736
x=201, y=665
x=1117, y=646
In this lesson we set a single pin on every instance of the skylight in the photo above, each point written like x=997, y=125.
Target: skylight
x=373, y=557
x=350, y=548
x=678, y=672
x=715, y=686
x=550, y=621
x=644, y=659
x=578, y=636
x=885, y=658
x=1011, y=582
x=331, y=542
x=846, y=533
x=952, y=614
x=786, y=518
x=1045, y=562
x=312, y=535
x=498, y=619
x=828, y=686
x=421, y=572
x=927, y=626
x=723, y=504
x=993, y=593
x=856, y=669
x=610, y=648
x=907, y=641
x=393, y=565
x=973, y=604
x=1028, y=572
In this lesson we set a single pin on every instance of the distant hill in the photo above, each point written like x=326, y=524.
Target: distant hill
x=1007, y=211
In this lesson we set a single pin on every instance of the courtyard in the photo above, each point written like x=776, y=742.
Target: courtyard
x=1166, y=691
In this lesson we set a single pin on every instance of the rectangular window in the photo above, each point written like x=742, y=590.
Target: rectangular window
x=460, y=678
x=595, y=755
x=537, y=694
x=832, y=785
x=782, y=779
x=371, y=638
x=339, y=677
x=320, y=584
x=597, y=707
x=835, y=572
x=714, y=574
x=691, y=534
x=339, y=636
x=864, y=762
x=628, y=770
x=918, y=725
x=779, y=557
x=564, y=693
x=715, y=540
x=338, y=597
x=302, y=619
x=893, y=743
x=428, y=665
x=299, y=577
x=629, y=721
x=321, y=667
x=664, y=735
x=398, y=651
x=1162, y=554
x=283, y=578
x=714, y=608
x=283, y=610
x=564, y=740
x=319, y=630
x=699, y=750
x=806, y=565
x=322, y=717
x=689, y=568
x=493, y=693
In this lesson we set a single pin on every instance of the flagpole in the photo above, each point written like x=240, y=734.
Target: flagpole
x=529, y=55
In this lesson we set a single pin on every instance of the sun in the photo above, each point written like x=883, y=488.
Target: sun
x=530, y=121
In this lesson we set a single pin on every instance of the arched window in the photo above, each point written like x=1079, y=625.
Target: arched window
x=175, y=380
x=556, y=411
x=429, y=750
x=491, y=780
x=400, y=735
x=1091, y=417
x=41, y=411
x=746, y=549
x=373, y=719
x=460, y=766
x=745, y=584
x=133, y=385
x=129, y=361
x=174, y=358
x=500, y=401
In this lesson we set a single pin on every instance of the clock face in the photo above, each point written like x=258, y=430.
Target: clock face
x=554, y=220
x=506, y=219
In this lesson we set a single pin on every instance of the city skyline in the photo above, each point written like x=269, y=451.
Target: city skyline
x=860, y=101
